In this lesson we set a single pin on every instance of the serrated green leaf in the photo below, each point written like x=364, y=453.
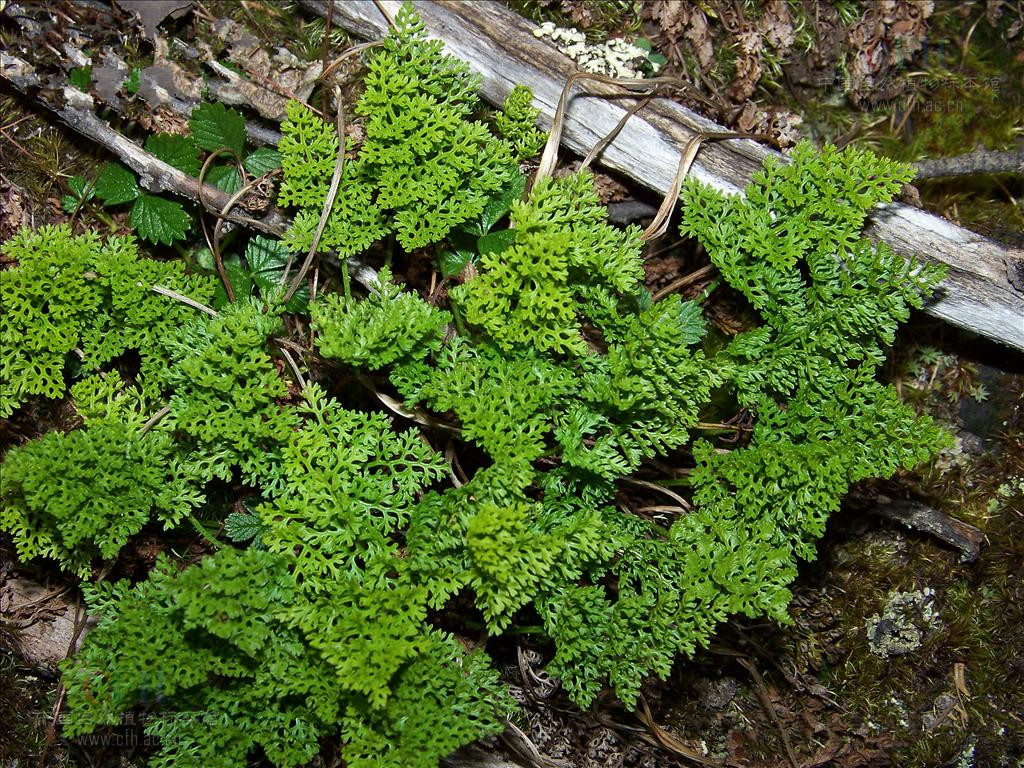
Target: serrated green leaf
x=453, y=262
x=178, y=151
x=80, y=191
x=267, y=258
x=244, y=526
x=495, y=242
x=81, y=77
x=225, y=178
x=692, y=324
x=116, y=185
x=133, y=83
x=159, y=220
x=499, y=206
x=263, y=160
x=214, y=127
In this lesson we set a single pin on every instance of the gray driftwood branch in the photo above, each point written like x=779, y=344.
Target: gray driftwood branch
x=978, y=161
x=78, y=113
x=978, y=294
x=920, y=517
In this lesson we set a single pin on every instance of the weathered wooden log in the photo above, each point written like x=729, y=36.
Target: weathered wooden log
x=979, y=293
x=920, y=517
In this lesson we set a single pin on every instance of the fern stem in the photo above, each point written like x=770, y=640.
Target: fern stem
x=332, y=194
x=213, y=244
x=151, y=422
x=346, y=282
x=183, y=299
x=692, y=277
x=295, y=368
x=203, y=532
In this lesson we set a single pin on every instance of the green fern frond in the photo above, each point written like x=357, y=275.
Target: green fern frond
x=390, y=326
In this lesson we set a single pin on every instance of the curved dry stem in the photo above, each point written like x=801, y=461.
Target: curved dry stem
x=604, y=142
x=183, y=299
x=329, y=69
x=294, y=366
x=385, y=13
x=223, y=215
x=332, y=193
x=659, y=225
x=660, y=489
x=549, y=157
x=399, y=408
x=152, y=421
x=698, y=274
x=217, y=260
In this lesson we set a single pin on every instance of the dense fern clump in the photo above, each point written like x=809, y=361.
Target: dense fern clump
x=273, y=648
x=517, y=123
x=546, y=366
x=424, y=166
x=226, y=390
x=71, y=293
x=78, y=496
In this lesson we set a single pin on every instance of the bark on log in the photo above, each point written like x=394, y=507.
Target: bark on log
x=979, y=293
x=920, y=517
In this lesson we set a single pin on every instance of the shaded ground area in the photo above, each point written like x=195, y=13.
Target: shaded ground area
x=898, y=652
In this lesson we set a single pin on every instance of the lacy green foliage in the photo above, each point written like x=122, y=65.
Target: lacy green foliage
x=226, y=390
x=274, y=648
x=501, y=402
x=507, y=548
x=512, y=389
x=564, y=251
x=424, y=165
x=550, y=358
x=806, y=217
x=808, y=374
x=343, y=485
x=78, y=496
x=208, y=639
x=517, y=123
x=389, y=326
x=78, y=292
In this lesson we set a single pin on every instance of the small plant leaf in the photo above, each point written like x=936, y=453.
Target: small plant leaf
x=241, y=282
x=159, y=220
x=692, y=324
x=178, y=151
x=133, y=83
x=244, y=526
x=263, y=160
x=81, y=77
x=495, y=242
x=499, y=206
x=116, y=185
x=214, y=127
x=464, y=245
x=80, y=192
x=224, y=178
x=453, y=262
x=267, y=258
